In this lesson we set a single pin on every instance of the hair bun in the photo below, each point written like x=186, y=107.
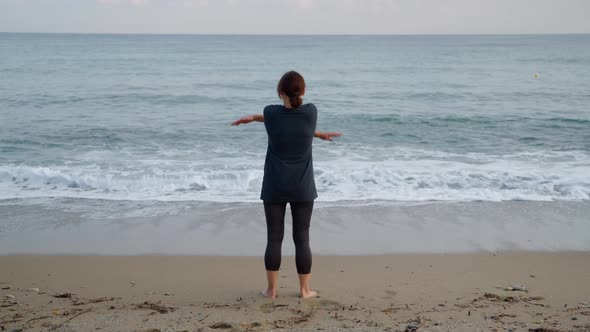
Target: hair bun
x=292, y=85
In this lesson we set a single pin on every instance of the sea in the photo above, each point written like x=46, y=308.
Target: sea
x=98, y=130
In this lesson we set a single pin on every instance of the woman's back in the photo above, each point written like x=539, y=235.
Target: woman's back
x=288, y=170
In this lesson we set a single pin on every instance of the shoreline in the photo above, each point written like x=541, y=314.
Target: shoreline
x=240, y=230
x=439, y=292
x=250, y=256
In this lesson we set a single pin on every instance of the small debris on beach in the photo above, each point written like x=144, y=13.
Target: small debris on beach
x=9, y=296
x=63, y=295
x=519, y=288
x=33, y=289
x=412, y=327
x=220, y=325
x=495, y=297
x=103, y=299
x=248, y=326
x=513, y=288
x=158, y=307
x=498, y=317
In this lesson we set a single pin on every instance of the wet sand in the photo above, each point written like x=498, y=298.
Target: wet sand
x=442, y=292
x=239, y=229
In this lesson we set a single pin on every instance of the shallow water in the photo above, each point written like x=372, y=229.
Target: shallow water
x=239, y=229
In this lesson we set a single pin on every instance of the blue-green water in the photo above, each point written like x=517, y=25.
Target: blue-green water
x=146, y=117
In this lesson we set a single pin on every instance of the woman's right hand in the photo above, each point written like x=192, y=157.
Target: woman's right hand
x=248, y=119
x=327, y=136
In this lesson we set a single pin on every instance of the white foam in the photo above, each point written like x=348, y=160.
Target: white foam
x=394, y=175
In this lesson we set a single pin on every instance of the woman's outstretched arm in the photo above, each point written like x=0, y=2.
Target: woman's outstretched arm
x=248, y=119
x=326, y=136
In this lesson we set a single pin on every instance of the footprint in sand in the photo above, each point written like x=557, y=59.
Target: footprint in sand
x=330, y=305
x=221, y=326
x=272, y=306
x=266, y=308
x=390, y=293
x=250, y=326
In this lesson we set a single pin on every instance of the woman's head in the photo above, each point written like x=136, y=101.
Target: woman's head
x=292, y=87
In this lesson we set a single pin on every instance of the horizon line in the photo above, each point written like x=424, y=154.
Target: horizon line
x=300, y=34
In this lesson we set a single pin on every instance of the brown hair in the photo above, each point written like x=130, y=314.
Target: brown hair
x=292, y=85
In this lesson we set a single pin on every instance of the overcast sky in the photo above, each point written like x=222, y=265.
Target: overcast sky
x=296, y=16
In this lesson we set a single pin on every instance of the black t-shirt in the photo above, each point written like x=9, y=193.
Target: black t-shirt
x=288, y=169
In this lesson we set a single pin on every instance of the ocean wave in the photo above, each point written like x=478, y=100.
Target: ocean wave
x=556, y=60
x=117, y=99
x=569, y=120
x=406, y=177
x=475, y=119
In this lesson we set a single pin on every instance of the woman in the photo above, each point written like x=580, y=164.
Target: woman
x=288, y=177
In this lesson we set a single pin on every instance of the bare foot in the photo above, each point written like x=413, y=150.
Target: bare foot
x=305, y=294
x=269, y=293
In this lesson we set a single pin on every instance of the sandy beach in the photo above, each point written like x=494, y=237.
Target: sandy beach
x=441, y=292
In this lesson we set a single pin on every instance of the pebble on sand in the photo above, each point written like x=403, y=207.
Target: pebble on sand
x=514, y=287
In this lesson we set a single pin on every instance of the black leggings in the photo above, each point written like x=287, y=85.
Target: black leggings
x=275, y=226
